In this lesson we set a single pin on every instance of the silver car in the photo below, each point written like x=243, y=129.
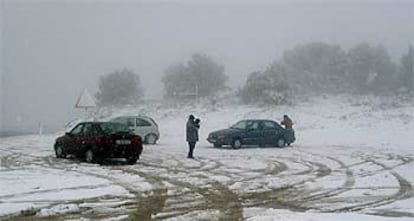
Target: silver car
x=143, y=126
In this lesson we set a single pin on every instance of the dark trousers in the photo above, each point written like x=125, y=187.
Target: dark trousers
x=191, y=146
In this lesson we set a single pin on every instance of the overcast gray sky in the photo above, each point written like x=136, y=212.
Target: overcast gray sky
x=53, y=49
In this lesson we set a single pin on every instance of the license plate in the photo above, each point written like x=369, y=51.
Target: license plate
x=123, y=142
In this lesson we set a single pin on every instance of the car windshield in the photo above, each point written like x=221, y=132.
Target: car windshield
x=113, y=128
x=239, y=125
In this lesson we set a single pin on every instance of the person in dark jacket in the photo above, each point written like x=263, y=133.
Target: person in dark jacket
x=192, y=134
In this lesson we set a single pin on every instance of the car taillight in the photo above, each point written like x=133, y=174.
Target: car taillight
x=137, y=141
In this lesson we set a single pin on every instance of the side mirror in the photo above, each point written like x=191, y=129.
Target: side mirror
x=250, y=129
x=68, y=134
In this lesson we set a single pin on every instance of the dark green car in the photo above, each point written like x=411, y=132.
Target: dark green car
x=252, y=132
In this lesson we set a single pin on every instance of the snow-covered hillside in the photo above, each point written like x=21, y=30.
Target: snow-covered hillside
x=353, y=159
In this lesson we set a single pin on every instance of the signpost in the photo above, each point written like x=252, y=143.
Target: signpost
x=86, y=102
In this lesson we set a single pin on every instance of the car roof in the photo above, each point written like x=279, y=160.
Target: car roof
x=258, y=120
x=96, y=122
x=261, y=120
x=136, y=116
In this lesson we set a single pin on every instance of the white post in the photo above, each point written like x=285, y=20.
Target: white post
x=411, y=43
x=411, y=54
x=196, y=92
x=40, y=128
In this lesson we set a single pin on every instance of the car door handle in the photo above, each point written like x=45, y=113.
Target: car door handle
x=83, y=142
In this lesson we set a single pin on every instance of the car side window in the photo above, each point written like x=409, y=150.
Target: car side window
x=88, y=129
x=253, y=125
x=77, y=130
x=99, y=130
x=142, y=123
x=153, y=122
x=96, y=130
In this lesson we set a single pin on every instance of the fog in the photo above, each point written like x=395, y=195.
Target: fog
x=51, y=50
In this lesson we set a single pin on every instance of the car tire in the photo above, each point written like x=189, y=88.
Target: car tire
x=217, y=145
x=280, y=142
x=150, y=139
x=236, y=144
x=89, y=156
x=60, y=153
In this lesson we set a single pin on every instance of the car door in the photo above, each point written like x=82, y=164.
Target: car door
x=71, y=146
x=261, y=139
x=253, y=133
x=86, y=139
x=271, y=132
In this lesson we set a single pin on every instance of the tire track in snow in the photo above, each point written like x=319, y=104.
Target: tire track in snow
x=215, y=196
x=405, y=190
x=174, y=196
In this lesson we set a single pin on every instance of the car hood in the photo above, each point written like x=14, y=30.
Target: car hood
x=225, y=131
x=60, y=138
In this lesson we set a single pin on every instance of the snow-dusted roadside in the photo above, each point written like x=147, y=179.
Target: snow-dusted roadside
x=353, y=159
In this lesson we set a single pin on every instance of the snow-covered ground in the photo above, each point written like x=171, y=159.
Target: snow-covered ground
x=353, y=159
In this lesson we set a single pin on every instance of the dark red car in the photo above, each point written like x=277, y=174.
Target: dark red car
x=95, y=141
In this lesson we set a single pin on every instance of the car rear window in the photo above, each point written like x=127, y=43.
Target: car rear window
x=113, y=128
x=129, y=121
x=142, y=123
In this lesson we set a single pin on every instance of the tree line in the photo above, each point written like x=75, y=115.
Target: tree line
x=307, y=69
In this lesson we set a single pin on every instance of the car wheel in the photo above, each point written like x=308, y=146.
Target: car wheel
x=89, y=156
x=236, y=144
x=59, y=151
x=150, y=139
x=280, y=142
x=217, y=145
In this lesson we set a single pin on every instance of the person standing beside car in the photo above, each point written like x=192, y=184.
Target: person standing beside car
x=290, y=135
x=191, y=135
x=287, y=122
